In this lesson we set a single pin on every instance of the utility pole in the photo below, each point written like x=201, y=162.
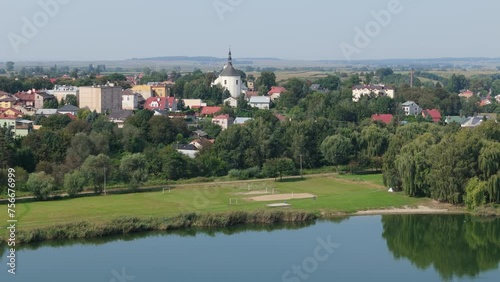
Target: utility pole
x=104, y=180
x=300, y=165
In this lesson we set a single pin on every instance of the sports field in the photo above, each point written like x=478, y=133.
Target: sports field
x=334, y=194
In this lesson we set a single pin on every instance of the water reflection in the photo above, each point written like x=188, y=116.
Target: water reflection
x=190, y=232
x=456, y=246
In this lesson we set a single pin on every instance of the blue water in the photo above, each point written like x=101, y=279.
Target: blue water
x=357, y=249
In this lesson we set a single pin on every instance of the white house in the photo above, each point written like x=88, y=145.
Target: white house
x=231, y=102
x=260, y=102
x=223, y=120
x=380, y=90
x=275, y=92
x=230, y=79
x=193, y=103
x=130, y=100
x=411, y=108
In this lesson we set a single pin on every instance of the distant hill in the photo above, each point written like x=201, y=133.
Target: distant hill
x=199, y=59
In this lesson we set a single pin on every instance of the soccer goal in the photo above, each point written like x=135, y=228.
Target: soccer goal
x=233, y=201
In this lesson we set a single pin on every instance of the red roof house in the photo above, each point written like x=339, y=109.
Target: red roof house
x=208, y=111
x=466, y=94
x=161, y=103
x=25, y=99
x=276, y=90
x=434, y=114
x=385, y=118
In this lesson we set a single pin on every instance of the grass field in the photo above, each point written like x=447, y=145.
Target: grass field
x=335, y=194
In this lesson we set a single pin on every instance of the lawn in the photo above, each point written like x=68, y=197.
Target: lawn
x=334, y=194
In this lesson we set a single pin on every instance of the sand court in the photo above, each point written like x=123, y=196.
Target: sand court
x=282, y=197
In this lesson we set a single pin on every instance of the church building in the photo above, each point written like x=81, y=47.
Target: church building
x=230, y=79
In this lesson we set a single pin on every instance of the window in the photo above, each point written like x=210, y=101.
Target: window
x=237, y=82
x=225, y=82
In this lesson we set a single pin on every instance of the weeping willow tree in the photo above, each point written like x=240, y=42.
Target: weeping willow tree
x=413, y=166
x=489, y=165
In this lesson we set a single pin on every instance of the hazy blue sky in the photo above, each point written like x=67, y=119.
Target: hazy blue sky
x=290, y=29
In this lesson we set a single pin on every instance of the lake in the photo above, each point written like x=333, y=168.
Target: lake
x=369, y=248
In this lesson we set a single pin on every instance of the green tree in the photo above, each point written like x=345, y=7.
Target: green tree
x=97, y=169
x=72, y=100
x=279, y=167
x=337, y=149
x=475, y=193
x=81, y=147
x=41, y=185
x=56, y=122
x=267, y=79
x=74, y=183
x=133, y=167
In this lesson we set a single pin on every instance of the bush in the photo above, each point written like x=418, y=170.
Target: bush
x=41, y=185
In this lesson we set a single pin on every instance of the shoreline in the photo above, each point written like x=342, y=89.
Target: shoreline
x=421, y=209
x=126, y=225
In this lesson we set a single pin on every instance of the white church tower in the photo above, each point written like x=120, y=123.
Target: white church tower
x=230, y=78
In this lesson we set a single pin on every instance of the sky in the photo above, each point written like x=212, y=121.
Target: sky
x=83, y=30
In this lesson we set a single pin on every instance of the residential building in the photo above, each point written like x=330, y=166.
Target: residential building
x=434, y=114
x=275, y=92
x=385, y=118
x=7, y=101
x=193, y=103
x=223, y=121
x=472, y=122
x=10, y=113
x=379, y=90
x=230, y=79
x=63, y=91
x=411, y=108
x=260, y=102
x=202, y=143
x=146, y=91
x=485, y=101
x=242, y=120
x=497, y=98
x=130, y=100
x=188, y=150
x=119, y=117
x=101, y=99
x=159, y=89
x=457, y=119
x=25, y=99
x=466, y=94
x=231, y=102
x=41, y=98
x=161, y=103
x=46, y=112
x=19, y=127
x=68, y=109
x=210, y=111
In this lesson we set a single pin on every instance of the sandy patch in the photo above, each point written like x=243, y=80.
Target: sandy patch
x=405, y=210
x=281, y=197
x=252, y=193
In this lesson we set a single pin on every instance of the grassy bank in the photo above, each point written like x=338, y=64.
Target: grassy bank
x=334, y=195
x=127, y=225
